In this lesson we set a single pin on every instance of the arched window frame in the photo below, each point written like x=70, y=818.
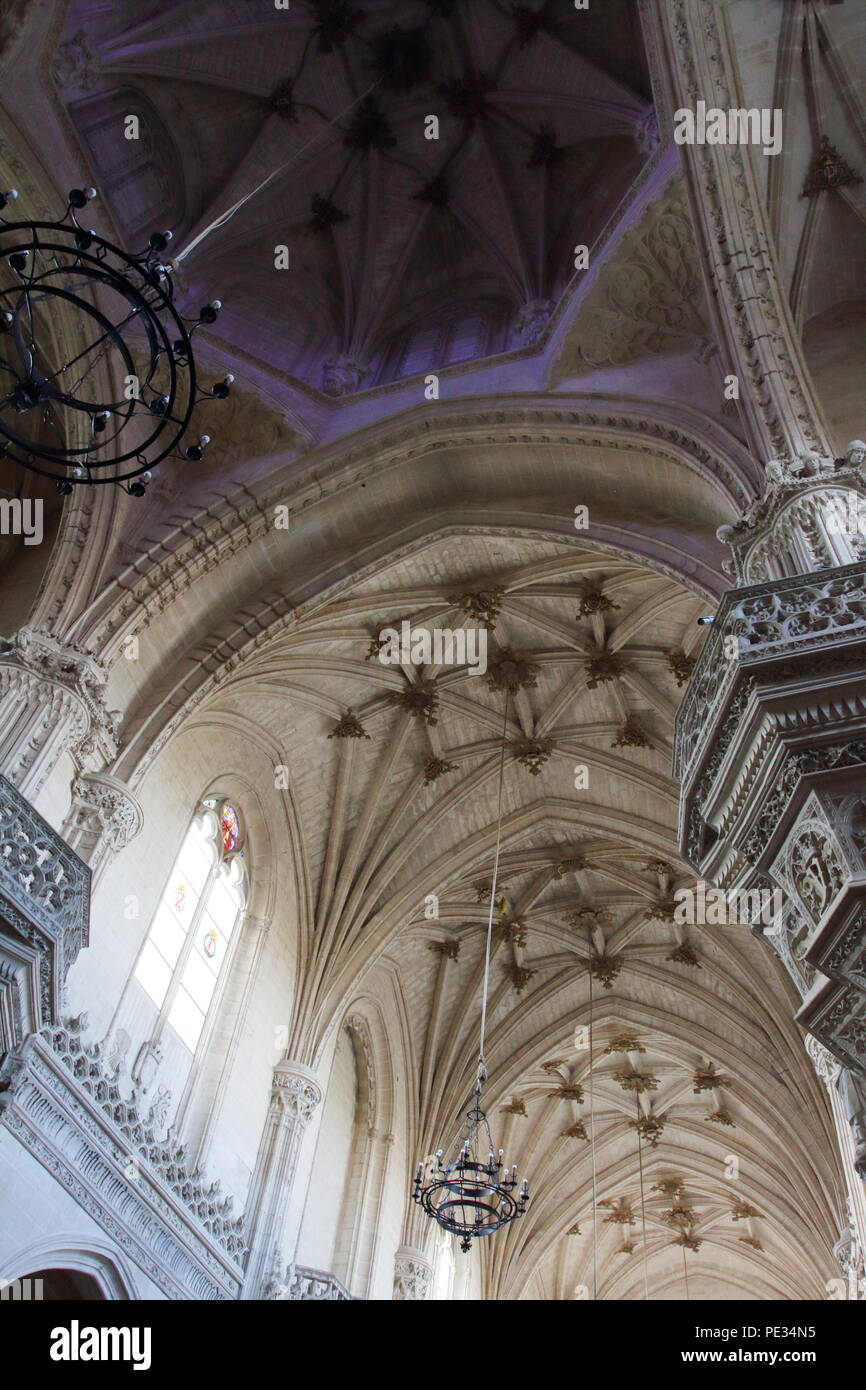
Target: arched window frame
x=207, y=836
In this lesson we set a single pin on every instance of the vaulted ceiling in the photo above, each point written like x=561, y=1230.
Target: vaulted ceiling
x=406, y=253
x=604, y=1011
x=409, y=255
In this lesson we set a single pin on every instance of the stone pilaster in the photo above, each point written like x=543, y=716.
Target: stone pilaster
x=295, y=1095
x=413, y=1274
x=759, y=340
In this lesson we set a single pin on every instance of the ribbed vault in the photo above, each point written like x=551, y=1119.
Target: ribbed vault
x=394, y=832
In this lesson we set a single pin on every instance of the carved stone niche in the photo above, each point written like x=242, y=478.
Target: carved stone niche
x=44, y=917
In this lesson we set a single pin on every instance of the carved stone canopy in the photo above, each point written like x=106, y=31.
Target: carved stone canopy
x=811, y=516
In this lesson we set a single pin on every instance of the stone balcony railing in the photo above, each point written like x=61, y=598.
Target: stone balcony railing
x=60, y=1104
x=309, y=1285
x=794, y=617
x=44, y=916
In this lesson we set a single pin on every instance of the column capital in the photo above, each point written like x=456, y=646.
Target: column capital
x=295, y=1091
x=413, y=1274
x=827, y=1067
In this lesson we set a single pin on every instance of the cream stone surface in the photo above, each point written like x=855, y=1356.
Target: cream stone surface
x=682, y=1096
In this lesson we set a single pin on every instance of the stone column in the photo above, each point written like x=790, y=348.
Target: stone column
x=759, y=340
x=413, y=1274
x=295, y=1094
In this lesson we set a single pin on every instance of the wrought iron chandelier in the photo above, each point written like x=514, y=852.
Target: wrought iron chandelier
x=474, y=1195
x=54, y=417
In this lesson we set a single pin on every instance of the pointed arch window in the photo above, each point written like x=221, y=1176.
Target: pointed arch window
x=191, y=934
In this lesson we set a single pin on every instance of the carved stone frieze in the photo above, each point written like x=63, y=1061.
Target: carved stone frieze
x=300, y=1285
x=294, y=1095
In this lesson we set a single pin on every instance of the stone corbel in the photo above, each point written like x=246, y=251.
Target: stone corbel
x=51, y=702
x=104, y=817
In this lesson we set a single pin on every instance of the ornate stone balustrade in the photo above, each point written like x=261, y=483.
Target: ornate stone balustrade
x=795, y=617
x=308, y=1285
x=44, y=916
x=56, y=1098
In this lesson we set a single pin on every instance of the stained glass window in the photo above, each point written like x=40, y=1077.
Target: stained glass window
x=230, y=828
x=189, y=939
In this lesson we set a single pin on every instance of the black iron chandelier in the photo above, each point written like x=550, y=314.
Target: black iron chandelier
x=54, y=417
x=474, y=1195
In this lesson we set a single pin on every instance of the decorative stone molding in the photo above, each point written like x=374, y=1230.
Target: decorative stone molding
x=341, y=376
x=789, y=617
x=44, y=917
x=648, y=298
x=77, y=63
x=413, y=1275
x=852, y=1094
x=836, y=1016
x=104, y=816
x=58, y=1101
x=51, y=701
